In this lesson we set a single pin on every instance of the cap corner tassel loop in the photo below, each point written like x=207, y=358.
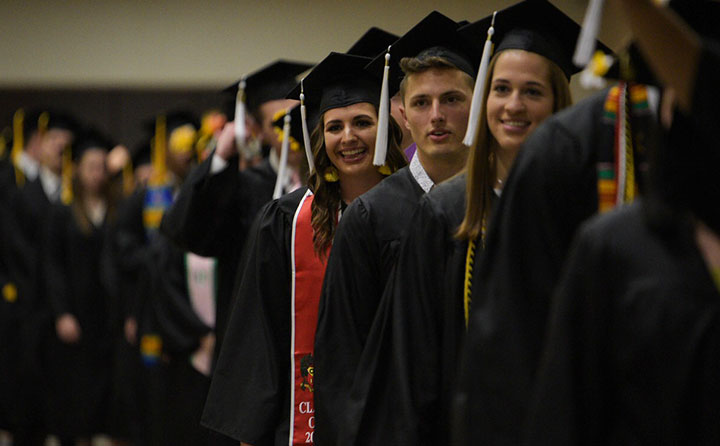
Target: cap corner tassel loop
x=381, y=139
x=240, y=129
x=476, y=106
x=306, y=134
x=282, y=169
x=588, y=34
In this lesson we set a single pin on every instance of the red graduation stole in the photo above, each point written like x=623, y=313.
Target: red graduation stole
x=308, y=271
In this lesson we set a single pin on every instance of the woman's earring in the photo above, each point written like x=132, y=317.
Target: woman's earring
x=384, y=170
x=331, y=175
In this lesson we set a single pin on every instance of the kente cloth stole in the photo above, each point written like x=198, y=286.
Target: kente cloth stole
x=617, y=165
x=308, y=271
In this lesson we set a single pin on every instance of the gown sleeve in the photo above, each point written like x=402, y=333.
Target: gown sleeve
x=207, y=215
x=401, y=386
x=567, y=404
x=551, y=190
x=350, y=297
x=55, y=273
x=180, y=326
x=250, y=386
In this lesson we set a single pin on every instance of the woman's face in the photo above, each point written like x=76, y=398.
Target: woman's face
x=520, y=97
x=350, y=138
x=91, y=170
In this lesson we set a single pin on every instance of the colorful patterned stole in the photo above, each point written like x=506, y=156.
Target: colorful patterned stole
x=617, y=165
x=308, y=271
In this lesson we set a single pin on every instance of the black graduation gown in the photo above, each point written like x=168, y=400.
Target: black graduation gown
x=364, y=252
x=11, y=317
x=550, y=191
x=249, y=397
x=406, y=376
x=29, y=209
x=211, y=217
x=634, y=335
x=74, y=283
x=705, y=93
x=181, y=330
x=140, y=386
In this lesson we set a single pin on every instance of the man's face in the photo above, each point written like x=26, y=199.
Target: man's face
x=268, y=111
x=435, y=110
x=54, y=143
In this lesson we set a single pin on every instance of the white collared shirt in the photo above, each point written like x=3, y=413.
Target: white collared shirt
x=50, y=184
x=418, y=172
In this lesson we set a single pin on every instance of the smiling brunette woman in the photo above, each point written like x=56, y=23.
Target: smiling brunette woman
x=262, y=390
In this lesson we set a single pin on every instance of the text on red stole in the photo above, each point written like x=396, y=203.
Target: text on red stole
x=309, y=274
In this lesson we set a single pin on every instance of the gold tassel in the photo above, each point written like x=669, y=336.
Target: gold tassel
x=17, y=148
x=158, y=152
x=66, y=192
x=128, y=179
x=43, y=121
x=331, y=175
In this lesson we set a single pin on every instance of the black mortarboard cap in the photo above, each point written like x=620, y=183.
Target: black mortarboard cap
x=338, y=81
x=179, y=118
x=91, y=138
x=372, y=43
x=435, y=35
x=57, y=119
x=535, y=26
x=30, y=122
x=270, y=82
x=702, y=16
x=295, y=125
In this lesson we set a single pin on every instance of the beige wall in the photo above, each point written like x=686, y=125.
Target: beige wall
x=101, y=43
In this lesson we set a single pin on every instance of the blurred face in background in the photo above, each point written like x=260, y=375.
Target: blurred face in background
x=92, y=171
x=54, y=143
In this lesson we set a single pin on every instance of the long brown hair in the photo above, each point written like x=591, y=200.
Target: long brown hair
x=481, y=166
x=111, y=192
x=327, y=194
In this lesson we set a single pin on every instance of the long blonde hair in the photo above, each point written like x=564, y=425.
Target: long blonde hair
x=481, y=166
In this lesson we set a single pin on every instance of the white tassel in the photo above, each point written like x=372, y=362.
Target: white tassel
x=240, y=130
x=306, y=134
x=588, y=34
x=381, y=139
x=282, y=169
x=477, y=106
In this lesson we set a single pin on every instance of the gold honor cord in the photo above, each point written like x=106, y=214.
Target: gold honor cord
x=629, y=192
x=467, y=296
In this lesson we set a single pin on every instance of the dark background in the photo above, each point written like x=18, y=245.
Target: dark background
x=119, y=113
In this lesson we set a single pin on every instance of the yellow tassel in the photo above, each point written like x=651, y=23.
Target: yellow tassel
x=43, y=121
x=158, y=150
x=385, y=170
x=128, y=179
x=66, y=193
x=331, y=175
x=18, y=143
